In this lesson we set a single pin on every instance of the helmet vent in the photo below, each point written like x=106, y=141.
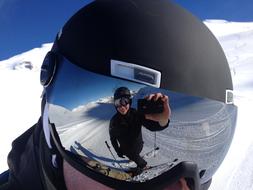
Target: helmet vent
x=136, y=73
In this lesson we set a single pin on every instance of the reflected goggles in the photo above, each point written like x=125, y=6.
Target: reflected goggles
x=83, y=124
x=121, y=102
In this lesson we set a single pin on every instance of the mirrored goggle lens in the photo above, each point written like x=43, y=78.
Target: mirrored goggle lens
x=132, y=148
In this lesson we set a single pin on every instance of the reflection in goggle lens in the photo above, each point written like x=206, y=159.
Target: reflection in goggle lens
x=129, y=146
x=121, y=102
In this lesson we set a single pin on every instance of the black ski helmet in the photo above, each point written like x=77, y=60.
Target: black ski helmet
x=154, y=36
x=122, y=92
x=184, y=50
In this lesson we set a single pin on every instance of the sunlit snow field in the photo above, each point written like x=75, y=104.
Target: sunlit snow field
x=21, y=90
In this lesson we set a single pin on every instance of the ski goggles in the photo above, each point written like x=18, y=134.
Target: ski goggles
x=121, y=102
x=79, y=110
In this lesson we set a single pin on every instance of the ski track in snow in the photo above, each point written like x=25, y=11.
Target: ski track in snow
x=244, y=171
x=20, y=102
x=236, y=171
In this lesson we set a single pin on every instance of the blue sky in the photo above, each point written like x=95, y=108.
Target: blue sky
x=28, y=24
x=79, y=87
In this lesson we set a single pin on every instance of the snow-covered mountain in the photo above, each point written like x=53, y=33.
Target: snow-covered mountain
x=21, y=90
x=31, y=60
x=237, y=42
x=102, y=109
x=90, y=105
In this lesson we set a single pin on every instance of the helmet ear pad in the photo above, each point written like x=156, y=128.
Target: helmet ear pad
x=48, y=68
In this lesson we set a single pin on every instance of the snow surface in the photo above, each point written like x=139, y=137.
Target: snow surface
x=21, y=90
x=203, y=136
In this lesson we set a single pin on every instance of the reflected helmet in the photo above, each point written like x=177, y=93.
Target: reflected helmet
x=122, y=92
x=142, y=46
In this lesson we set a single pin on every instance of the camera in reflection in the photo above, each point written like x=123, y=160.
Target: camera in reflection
x=150, y=106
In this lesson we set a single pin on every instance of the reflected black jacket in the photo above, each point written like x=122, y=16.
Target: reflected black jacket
x=125, y=130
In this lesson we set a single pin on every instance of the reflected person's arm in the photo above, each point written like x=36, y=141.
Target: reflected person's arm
x=154, y=125
x=157, y=122
x=164, y=117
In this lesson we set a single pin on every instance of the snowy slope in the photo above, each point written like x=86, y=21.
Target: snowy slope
x=20, y=100
x=28, y=60
x=20, y=96
x=236, y=172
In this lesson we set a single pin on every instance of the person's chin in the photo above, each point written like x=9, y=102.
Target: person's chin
x=123, y=112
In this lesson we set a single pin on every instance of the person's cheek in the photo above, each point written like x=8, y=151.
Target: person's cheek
x=75, y=180
x=175, y=186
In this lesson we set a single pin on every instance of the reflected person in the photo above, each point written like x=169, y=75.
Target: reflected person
x=125, y=125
